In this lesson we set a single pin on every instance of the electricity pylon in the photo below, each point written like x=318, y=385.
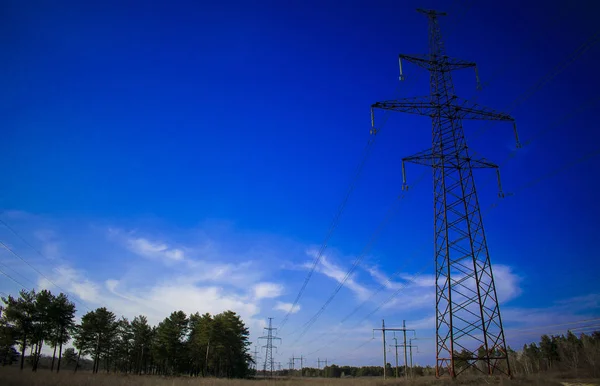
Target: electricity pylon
x=468, y=322
x=256, y=358
x=269, y=364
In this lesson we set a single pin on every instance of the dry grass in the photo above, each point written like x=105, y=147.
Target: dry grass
x=13, y=377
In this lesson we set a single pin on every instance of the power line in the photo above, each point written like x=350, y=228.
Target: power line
x=557, y=325
x=516, y=102
x=524, y=186
x=528, y=184
x=393, y=296
x=582, y=329
x=13, y=279
x=493, y=205
x=387, y=282
x=40, y=273
x=10, y=228
x=354, y=179
x=332, y=227
x=547, y=77
x=552, y=173
x=22, y=276
x=523, y=43
x=547, y=129
x=521, y=188
x=390, y=212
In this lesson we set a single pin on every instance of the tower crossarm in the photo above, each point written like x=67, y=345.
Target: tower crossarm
x=456, y=108
x=466, y=109
x=420, y=105
x=430, y=63
x=441, y=161
x=428, y=158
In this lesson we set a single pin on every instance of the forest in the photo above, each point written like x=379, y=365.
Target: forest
x=570, y=355
x=194, y=345
x=210, y=345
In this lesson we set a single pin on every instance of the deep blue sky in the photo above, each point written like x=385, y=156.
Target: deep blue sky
x=166, y=117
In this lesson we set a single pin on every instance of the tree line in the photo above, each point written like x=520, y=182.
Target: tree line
x=335, y=371
x=579, y=355
x=568, y=354
x=195, y=345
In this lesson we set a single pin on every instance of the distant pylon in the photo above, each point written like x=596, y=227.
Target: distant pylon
x=256, y=358
x=269, y=364
x=468, y=323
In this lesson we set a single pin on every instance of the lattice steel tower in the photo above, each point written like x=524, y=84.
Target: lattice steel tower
x=269, y=364
x=468, y=324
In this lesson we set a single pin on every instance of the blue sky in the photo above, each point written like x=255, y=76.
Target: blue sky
x=192, y=156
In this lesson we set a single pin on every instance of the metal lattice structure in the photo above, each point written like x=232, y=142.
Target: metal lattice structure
x=468, y=323
x=269, y=365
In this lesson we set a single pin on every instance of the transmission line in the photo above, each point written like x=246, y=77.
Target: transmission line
x=332, y=227
x=526, y=43
x=557, y=325
x=524, y=186
x=552, y=173
x=389, y=214
x=547, y=78
x=520, y=99
x=382, y=286
x=41, y=274
x=19, y=274
x=13, y=231
x=354, y=179
x=13, y=279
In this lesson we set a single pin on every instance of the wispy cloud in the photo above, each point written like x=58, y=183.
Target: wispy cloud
x=338, y=274
x=400, y=280
x=287, y=307
x=74, y=282
x=266, y=290
x=147, y=248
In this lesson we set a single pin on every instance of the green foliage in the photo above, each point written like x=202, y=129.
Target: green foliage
x=20, y=314
x=70, y=356
x=570, y=353
x=199, y=345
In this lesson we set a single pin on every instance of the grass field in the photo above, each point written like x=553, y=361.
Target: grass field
x=14, y=377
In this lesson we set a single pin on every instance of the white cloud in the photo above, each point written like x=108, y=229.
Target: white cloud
x=175, y=254
x=267, y=290
x=507, y=283
x=73, y=282
x=192, y=299
x=332, y=271
x=111, y=284
x=413, y=280
x=147, y=248
x=287, y=307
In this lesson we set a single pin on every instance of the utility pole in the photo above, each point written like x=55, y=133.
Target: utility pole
x=301, y=359
x=410, y=345
x=467, y=309
x=396, y=347
x=319, y=361
x=383, y=330
x=405, y=361
x=269, y=348
x=325, y=368
x=383, y=339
